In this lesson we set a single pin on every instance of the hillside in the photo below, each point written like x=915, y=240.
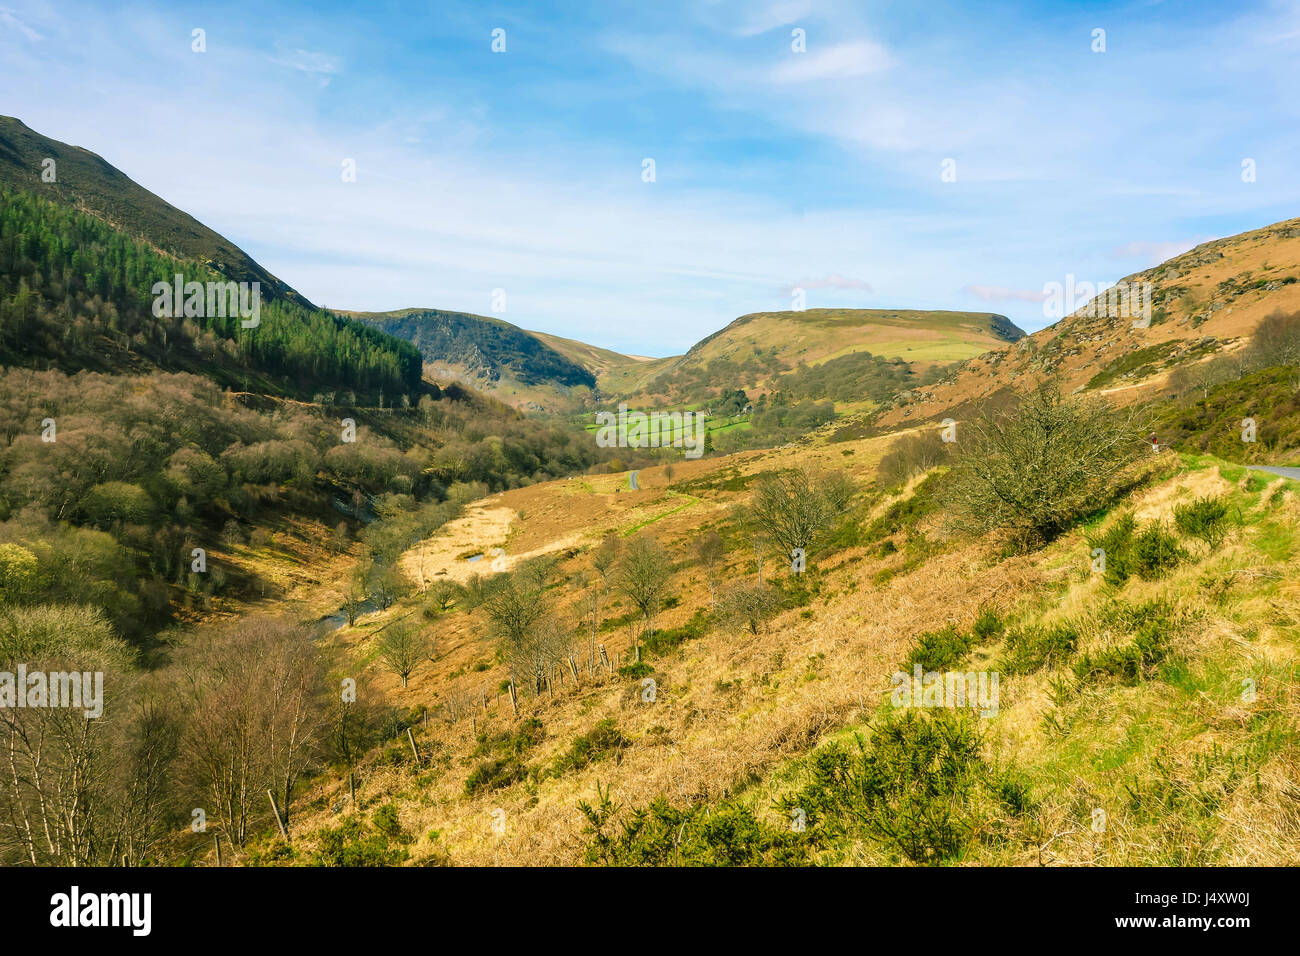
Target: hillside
x=1121, y=696
x=520, y=368
x=1204, y=302
x=86, y=182
x=755, y=350
x=79, y=260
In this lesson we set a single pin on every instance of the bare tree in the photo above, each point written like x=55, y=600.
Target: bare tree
x=402, y=647
x=795, y=507
x=545, y=644
x=643, y=573
x=710, y=551
x=749, y=605
x=256, y=716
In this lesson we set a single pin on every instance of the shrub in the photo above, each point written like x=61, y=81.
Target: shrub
x=603, y=740
x=940, y=650
x=661, y=642
x=1150, y=552
x=920, y=786
x=1153, y=625
x=988, y=625
x=1204, y=519
x=494, y=775
x=1035, y=470
x=1034, y=646
x=701, y=834
x=350, y=844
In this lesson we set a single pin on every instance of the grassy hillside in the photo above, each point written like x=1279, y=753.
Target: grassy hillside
x=1205, y=302
x=754, y=350
x=1146, y=715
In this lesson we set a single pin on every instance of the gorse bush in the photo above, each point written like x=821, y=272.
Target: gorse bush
x=1149, y=552
x=1153, y=626
x=701, y=834
x=1034, y=646
x=920, y=786
x=940, y=650
x=603, y=740
x=1203, y=518
x=352, y=843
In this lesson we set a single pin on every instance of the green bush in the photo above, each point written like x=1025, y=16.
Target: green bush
x=988, y=625
x=1203, y=518
x=494, y=775
x=940, y=650
x=603, y=740
x=1034, y=646
x=1153, y=624
x=920, y=786
x=351, y=844
x=1148, y=552
x=661, y=642
x=701, y=834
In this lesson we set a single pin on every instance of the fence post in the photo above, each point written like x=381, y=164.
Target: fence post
x=283, y=832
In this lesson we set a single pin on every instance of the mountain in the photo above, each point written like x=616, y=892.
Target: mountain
x=85, y=181
x=756, y=350
x=482, y=351
x=1206, y=302
x=81, y=249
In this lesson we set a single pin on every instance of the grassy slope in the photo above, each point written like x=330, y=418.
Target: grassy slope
x=1186, y=770
x=1207, y=300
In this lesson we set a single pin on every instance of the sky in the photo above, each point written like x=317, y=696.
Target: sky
x=901, y=155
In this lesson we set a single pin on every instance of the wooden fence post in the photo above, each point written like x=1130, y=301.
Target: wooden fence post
x=283, y=832
x=514, y=698
x=414, y=749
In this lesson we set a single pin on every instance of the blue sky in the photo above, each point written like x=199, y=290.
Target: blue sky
x=774, y=169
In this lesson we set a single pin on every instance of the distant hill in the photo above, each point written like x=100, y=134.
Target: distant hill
x=1204, y=302
x=756, y=350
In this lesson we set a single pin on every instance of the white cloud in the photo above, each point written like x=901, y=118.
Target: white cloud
x=1001, y=293
x=832, y=281
x=842, y=61
x=1155, y=252
x=308, y=61
x=8, y=19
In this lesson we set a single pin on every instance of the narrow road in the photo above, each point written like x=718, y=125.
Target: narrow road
x=1293, y=473
x=632, y=480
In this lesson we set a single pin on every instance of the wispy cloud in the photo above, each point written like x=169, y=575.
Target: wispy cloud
x=1155, y=252
x=842, y=61
x=10, y=20
x=839, y=282
x=308, y=61
x=1001, y=293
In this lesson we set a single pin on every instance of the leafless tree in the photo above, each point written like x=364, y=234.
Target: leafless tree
x=710, y=551
x=795, y=507
x=643, y=573
x=256, y=716
x=402, y=647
